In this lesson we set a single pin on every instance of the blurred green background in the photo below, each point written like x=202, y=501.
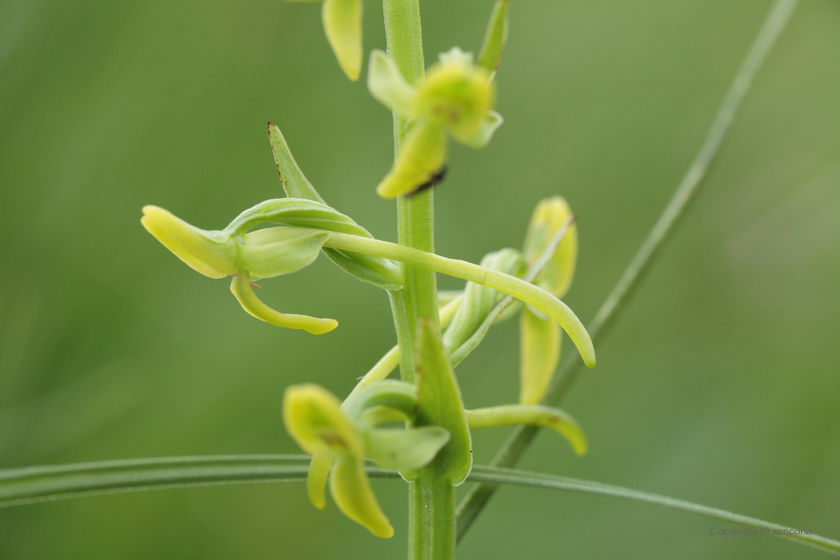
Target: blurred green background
x=719, y=384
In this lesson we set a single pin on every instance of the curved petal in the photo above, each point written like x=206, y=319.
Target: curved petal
x=316, y=481
x=249, y=301
x=350, y=488
x=210, y=253
x=511, y=415
x=343, y=26
x=539, y=354
x=387, y=85
x=404, y=449
x=314, y=419
x=421, y=158
x=482, y=135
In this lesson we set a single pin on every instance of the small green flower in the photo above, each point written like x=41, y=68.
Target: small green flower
x=343, y=27
x=339, y=437
x=262, y=254
x=455, y=99
x=540, y=337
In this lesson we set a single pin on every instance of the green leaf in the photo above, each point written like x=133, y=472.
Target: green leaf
x=404, y=449
x=439, y=403
x=495, y=37
x=350, y=488
x=539, y=354
x=343, y=26
x=29, y=485
x=294, y=182
x=388, y=86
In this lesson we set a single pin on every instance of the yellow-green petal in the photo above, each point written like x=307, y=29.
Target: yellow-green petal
x=482, y=135
x=249, y=301
x=387, y=84
x=547, y=417
x=549, y=216
x=211, y=253
x=343, y=26
x=314, y=419
x=316, y=481
x=540, y=340
x=350, y=488
x=422, y=156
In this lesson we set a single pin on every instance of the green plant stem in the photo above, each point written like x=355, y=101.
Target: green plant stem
x=500, y=281
x=432, y=509
x=521, y=438
x=431, y=506
x=43, y=484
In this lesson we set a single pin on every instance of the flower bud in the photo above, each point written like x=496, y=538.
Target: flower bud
x=550, y=215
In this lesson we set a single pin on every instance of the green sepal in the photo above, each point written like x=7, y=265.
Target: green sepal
x=540, y=345
x=211, y=253
x=388, y=86
x=439, y=403
x=389, y=393
x=549, y=216
x=421, y=157
x=292, y=178
x=404, y=449
x=275, y=251
x=496, y=37
x=481, y=136
x=343, y=27
x=314, y=419
x=380, y=272
x=350, y=488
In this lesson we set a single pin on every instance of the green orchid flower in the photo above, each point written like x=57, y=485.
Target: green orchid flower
x=456, y=99
x=540, y=337
x=340, y=436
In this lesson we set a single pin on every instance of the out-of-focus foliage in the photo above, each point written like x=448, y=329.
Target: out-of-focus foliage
x=718, y=385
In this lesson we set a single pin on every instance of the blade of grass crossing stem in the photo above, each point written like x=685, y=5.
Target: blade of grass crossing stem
x=39, y=484
x=520, y=439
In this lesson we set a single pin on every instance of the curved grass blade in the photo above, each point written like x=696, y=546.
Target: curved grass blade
x=41, y=484
x=497, y=476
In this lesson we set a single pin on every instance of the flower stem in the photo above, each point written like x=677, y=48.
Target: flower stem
x=500, y=281
x=432, y=509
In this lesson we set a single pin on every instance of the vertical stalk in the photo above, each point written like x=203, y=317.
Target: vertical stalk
x=431, y=501
x=431, y=509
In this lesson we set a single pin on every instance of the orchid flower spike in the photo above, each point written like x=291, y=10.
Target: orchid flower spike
x=455, y=99
x=343, y=27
